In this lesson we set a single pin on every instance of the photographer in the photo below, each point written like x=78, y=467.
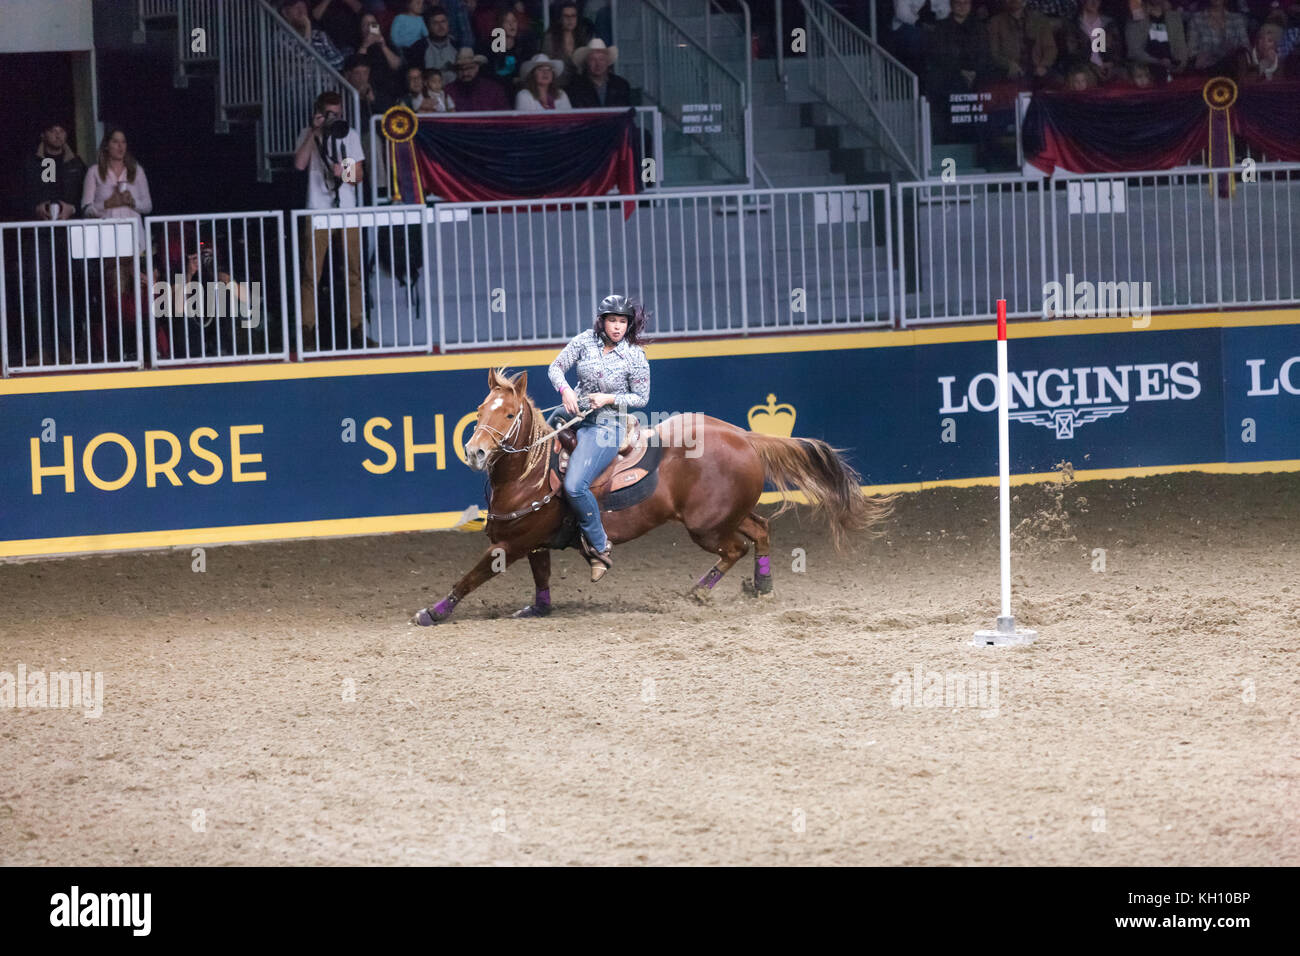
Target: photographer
x=330, y=151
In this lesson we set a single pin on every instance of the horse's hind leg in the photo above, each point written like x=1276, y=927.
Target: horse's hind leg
x=755, y=527
x=729, y=545
x=540, y=561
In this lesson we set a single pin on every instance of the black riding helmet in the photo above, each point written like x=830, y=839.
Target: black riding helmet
x=616, y=305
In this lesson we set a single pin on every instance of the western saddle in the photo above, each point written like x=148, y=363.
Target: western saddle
x=628, y=467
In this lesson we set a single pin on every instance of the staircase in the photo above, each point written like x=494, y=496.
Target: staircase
x=263, y=74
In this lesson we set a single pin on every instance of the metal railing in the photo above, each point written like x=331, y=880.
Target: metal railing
x=70, y=295
x=265, y=73
x=217, y=288
x=292, y=75
x=648, y=143
x=857, y=78
x=710, y=262
x=964, y=245
x=361, y=280
x=1181, y=231
x=706, y=263
x=688, y=83
x=1167, y=240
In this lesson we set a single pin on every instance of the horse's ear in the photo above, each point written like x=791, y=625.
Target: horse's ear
x=496, y=379
x=520, y=383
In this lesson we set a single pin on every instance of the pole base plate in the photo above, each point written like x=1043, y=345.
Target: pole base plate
x=1006, y=634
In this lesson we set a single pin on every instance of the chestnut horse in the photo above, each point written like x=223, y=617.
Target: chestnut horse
x=711, y=474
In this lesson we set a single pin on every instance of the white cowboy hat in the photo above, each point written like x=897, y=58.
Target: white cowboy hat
x=580, y=54
x=466, y=55
x=541, y=59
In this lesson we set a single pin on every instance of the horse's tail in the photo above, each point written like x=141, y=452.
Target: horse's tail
x=830, y=484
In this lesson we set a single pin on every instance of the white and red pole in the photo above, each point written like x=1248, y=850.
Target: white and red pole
x=1005, y=633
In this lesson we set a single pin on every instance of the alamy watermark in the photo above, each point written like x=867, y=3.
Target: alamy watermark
x=64, y=689
x=1085, y=299
x=921, y=688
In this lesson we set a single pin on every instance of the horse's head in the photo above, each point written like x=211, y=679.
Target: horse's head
x=499, y=418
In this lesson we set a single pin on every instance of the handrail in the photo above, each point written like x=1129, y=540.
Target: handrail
x=905, y=81
x=711, y=72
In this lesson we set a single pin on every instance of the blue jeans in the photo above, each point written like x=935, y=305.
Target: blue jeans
x=597, y=447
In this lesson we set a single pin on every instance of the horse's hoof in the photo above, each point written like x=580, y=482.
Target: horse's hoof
x=701, y=595
x=533, y=610
x=424, y=618
x=763, y=584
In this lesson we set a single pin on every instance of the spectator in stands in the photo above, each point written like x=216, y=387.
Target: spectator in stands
x=438, y=52
x=506, y=52
x=1081, y=41
x=1080, y=77
x=340, y=19
x=1139, y=75
x=1289, y=21
x=356, y=70
x=436, y=99
x=1021, y=42
x=1058, y=12
x=48, y=191
x=385, y=65
x=331, y=184
x=1262, y=61
x=459, y=14
x=474, y=93
x=409, y=28
x=1155, y=38
x=413, y=95
x=957, y=58
x=295, y=14
x=568, y=33
x=906, y=40
x=599, y=85
x=1214, y=37
x=487, y=17
x=116, y=186
x=539, y=92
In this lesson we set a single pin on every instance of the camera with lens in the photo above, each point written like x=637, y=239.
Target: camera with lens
x=335, y=127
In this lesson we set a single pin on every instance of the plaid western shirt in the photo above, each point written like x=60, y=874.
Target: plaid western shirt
x=623, y=373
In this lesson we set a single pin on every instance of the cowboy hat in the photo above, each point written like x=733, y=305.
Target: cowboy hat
x=467, y=56
x=580, y=54
x=541, y=59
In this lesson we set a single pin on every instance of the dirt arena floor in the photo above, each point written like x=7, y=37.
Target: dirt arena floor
x=1154, y=721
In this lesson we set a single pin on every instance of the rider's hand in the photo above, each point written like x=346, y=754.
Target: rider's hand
x=600, y=399
x=570, y=401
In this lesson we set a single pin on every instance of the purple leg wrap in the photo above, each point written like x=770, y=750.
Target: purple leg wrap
x=543, y=597
x=763, y=564
x=445, y=606
x=710, y=579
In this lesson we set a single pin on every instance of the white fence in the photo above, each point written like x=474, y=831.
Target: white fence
x=455, y=276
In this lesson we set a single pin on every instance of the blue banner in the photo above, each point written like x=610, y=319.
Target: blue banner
x=151, y=458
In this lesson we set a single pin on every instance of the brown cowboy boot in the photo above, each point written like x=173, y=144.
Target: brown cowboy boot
x=600, y=561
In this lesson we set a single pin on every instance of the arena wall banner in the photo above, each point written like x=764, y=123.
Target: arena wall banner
x=192, y=456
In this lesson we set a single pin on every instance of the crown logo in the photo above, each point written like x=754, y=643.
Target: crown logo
x=772, y=419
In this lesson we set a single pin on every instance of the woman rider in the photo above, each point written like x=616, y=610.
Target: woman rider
x=612, y=373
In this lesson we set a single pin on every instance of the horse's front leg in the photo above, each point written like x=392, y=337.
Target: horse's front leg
x=497, y=558
x=540, y=561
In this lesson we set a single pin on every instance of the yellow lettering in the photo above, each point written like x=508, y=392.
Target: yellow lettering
x=237, y=459
x=390, y=453
x=207, y=455
x=458, y=436
x=39, y=471
x=88, y=463
x=412, y=449
x=152, y=469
